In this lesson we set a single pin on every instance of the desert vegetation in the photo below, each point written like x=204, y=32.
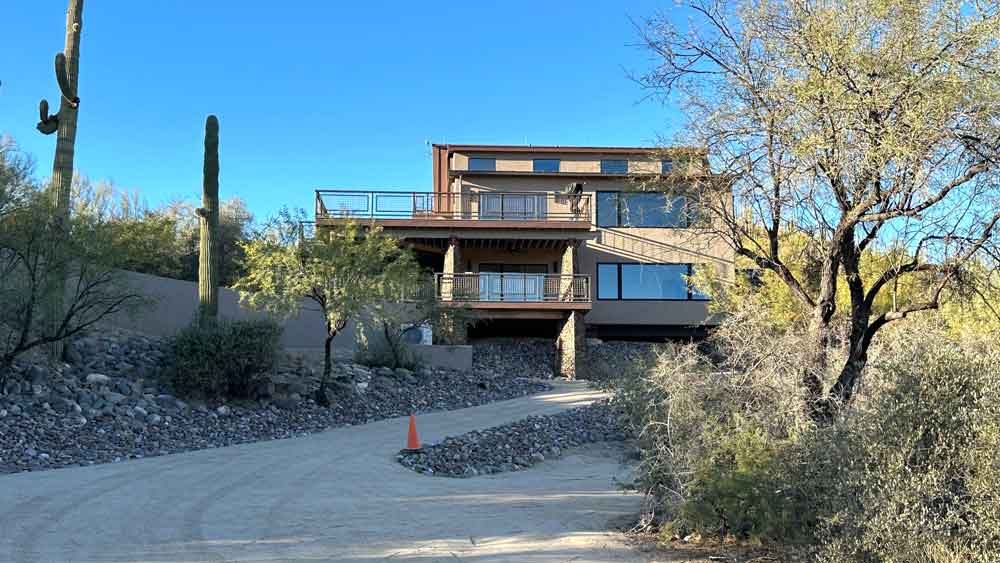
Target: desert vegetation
x=843, y=409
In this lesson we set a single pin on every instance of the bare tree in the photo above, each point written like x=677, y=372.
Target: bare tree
x=854, y=125
x=29, y=252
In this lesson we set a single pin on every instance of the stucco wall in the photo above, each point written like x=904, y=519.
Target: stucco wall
x=175, y=302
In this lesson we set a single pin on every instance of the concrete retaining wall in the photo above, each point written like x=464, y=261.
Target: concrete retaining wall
x=175, y=303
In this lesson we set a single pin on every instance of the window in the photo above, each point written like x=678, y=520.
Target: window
x=614, y=167
x=483, y=164
x=654, y=281
x=545, y=165
x=607, y=209
x=666, y=166
x=641, y=209
x=646, y=282
x=607, y=281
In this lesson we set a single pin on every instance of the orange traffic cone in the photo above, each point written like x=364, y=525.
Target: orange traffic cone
x=412, y=440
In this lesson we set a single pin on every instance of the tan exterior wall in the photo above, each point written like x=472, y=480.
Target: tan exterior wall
x=173, y=304
x=585, y=163
x=624, y=245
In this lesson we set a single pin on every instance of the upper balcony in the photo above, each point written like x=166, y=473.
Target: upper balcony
x=473, y=209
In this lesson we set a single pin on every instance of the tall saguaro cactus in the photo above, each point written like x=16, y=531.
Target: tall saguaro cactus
x=208, y=250
x=67, y=67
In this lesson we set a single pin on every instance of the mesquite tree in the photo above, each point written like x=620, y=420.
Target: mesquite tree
x=208, y=247
x=847, y=126
x=67, y=68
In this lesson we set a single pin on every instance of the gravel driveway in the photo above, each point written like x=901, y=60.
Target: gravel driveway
x=333, y=496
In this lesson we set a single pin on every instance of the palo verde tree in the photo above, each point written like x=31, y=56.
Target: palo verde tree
x=344, y=270
x=846, y=126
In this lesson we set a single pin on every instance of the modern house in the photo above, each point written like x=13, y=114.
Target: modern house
x=556, y=239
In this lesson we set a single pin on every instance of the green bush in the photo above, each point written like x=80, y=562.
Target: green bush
x=226, y=359
x=909, y=474
x=385, y=346
x=920, y=480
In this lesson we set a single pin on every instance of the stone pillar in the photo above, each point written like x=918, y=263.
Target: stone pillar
x=567, y=267
x=570, y=346
x=453, y=326
x=452, y=265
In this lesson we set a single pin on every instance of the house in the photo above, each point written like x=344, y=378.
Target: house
x=557, y=239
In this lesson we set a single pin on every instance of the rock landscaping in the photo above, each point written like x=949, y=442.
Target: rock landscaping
x=533, y=357
x=517, y=445
x=111, y=403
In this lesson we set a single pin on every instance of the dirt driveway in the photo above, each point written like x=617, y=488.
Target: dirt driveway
x=334, y=496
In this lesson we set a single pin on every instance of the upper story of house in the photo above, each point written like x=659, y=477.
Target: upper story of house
x=531, y=188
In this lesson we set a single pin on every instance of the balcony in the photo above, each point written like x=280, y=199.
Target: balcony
x=528, y=210
x=514, y=290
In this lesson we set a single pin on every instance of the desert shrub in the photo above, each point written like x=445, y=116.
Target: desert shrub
x=920, y=475
x=909, y=473
x=225, y=359
x=386, y=345
x=715, y=445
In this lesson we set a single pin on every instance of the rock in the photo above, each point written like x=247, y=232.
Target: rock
x=383, y=382
x=286, y=403
x=113, y=404
x=114, y=398
x=516, y=445
x=97, y=379
x=65, y=406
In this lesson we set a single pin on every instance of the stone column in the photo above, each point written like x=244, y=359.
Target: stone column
x=450, y=290
x=567, y=267
x=452, y=265
x=570, y=346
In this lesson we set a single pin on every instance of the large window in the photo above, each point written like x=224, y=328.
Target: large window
x=650, y=282
x=483, y=164
x=641, y=209
x=614, y=167
x=545, y=165
x=666, y=166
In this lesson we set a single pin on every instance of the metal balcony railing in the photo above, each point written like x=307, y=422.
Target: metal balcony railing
x=480, y=205
x=487, y=287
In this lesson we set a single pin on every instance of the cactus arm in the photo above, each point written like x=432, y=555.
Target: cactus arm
x=62, y=77
x=47, y=124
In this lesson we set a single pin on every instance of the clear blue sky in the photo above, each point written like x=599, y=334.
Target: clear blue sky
x=324, y=93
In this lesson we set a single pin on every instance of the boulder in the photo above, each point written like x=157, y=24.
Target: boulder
x=98, y=379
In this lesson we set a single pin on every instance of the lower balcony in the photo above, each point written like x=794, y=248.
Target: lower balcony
x=513, y=291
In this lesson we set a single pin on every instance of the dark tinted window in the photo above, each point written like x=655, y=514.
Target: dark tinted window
x=483, y=164
x=607, y=281
x=651, y=210
x=614, y=167
x=666, y=166
x=646, y=282
x=654, y=281
x=607, y=209
x=545, y=165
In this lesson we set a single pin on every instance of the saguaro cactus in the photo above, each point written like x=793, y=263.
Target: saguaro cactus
x=67, y=67
x=208, y=255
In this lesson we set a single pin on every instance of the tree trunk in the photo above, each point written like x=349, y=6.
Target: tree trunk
x=62, y=166
x=324, y=383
